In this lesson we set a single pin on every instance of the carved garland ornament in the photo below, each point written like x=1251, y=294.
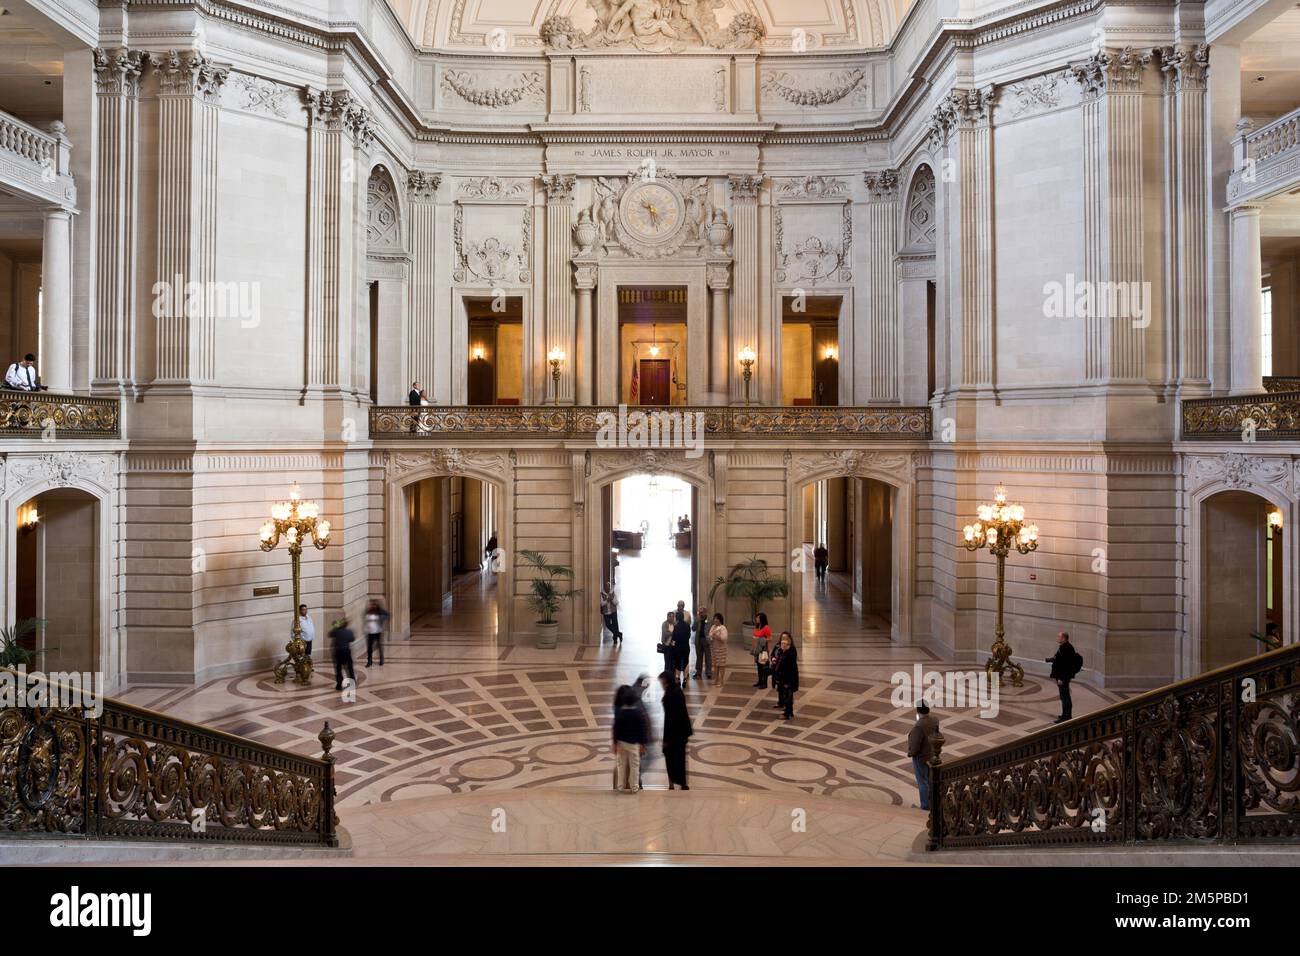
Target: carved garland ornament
x=841, y=84
x=528, y=86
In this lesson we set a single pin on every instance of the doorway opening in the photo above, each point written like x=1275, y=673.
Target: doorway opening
x=1243, y=579
x=454, y=555
x=57, y=578
x=810, y=350
x=496, y=350
x=650, y=552
x=652, y=345
x=851, y=522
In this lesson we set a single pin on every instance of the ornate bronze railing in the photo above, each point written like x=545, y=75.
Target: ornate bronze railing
x=41, y=414
x=1282, y=383
x=1213, y=759
x=1274, y=416
x=133, y=774
x=588, y=421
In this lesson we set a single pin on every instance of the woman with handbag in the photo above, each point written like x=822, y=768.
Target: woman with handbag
x=718, y=644
x=761, y=648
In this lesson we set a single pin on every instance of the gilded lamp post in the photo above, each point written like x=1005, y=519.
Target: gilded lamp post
x=747, y=358
x=556, y=357
x=295, y=520
x=1001, y=526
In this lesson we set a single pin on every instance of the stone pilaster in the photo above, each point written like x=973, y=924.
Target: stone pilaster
x=559, y=325
x=338, y=132
x=745, y=329
x=1247, y=309
x=189, y=86
x=718, y=272
x=962, y=123
x=1186, y=69
x=1114, y=222
x=117, y=118
x=882, y=316
x=584, y=282
x=422, y=196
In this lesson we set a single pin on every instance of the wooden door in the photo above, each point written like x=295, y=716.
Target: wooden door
x=656, y=382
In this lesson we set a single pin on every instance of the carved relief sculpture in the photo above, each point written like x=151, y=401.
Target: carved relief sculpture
x=656, y=26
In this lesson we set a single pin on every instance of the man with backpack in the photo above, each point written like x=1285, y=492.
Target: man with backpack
x=1066, y=663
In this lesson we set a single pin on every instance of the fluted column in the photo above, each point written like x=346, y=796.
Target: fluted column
x=962, y=122
x=338, y=132
x=744, y=321
x=1185, y=74
x=422, y=196
x=560, y=330
x=1247, y=310
x=718, y=273
x=188, y=117
x=584, y=281
x=117, y=99
x=56, y=301
x=882, y=319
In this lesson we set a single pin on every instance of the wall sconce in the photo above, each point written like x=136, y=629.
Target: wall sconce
x=832, y=353
x=29, y=519
x=1275, y=520
x=478, y=353
x=747, y=358
x=556, y=357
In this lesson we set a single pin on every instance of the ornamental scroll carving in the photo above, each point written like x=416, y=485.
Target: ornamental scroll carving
x=447, y=461
x=63, y=469
x=492, y=260
x=814, y=258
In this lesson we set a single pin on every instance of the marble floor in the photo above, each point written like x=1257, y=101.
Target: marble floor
x=456, y=711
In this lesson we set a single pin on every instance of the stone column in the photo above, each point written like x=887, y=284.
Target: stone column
x=744, y=324
x=1247, y=310
x=718, y=272
x=188, y=114
x=1185, y=71
x=968, y=115
x=584, y=280
x=338, y=129
x=55, y=358
x=882, y=322
x=117, y=105
x=422, y=194
x=559, y=323
x=1113, y=226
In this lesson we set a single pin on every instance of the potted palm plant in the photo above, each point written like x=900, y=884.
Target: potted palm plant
x=751, y=581
x=12, y=652
x=546, y=593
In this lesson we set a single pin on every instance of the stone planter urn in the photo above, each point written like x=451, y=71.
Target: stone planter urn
x=584, y=232
x=719, y=232
x=548, y=635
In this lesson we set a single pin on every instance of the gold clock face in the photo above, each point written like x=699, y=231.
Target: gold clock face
x=652, y=212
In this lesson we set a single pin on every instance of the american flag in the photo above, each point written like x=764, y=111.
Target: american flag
x=634, y=397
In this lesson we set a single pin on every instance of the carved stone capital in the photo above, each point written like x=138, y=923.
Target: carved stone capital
x=882, y=185
x=117, y=71
x=584, y=275
x=1111, y=71
x=718, y=276
x=422, y=186
x=745, y=187
x=1185, y=68
x=559, y=188
x=189, y=73
x=327, y=108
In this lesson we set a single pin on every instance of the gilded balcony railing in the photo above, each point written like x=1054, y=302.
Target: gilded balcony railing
x=1282, y=383
x=1271, y=416
x=1207, y=760
x=46, y=415
x=133, y=774
x=590, y=421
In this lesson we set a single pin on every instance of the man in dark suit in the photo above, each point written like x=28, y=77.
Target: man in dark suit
x=677, y=730
x=920, y=749
x=1066, y=663
x=414, y=397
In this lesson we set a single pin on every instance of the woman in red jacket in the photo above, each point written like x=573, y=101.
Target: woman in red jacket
x=761, y=648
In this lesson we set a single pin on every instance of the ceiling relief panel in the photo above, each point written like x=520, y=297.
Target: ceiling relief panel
x=651, y=26
x=491, y=90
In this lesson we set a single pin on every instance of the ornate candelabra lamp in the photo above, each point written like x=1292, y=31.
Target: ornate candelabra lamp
x=556, y=357
x=1001, y=526
x=747, y=358
x=296, y=520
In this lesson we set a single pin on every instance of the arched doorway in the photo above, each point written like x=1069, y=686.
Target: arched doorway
x=1242, y=577
x=443, y=578
x=57, y=578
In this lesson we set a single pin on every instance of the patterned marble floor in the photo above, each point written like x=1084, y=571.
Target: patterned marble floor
x=454, y=710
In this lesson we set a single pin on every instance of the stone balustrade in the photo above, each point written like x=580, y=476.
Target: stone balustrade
x=1266, y=161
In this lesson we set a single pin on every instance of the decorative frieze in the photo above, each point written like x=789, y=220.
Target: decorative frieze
x=1030, y=96
x=667, y=27
x=446, y=461
x=61, y=469
x=818, y=89
x=493, y=188
x=257, y=95
x=526, y=87
x=811, y=188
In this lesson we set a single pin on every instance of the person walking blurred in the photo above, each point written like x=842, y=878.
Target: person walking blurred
x=630, y=738
x=677, y=730
x=375, y=618
x=341, y=637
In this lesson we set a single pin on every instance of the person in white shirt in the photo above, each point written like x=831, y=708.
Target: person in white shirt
x=308, y=628
x=22, y=375
x=375, y=618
